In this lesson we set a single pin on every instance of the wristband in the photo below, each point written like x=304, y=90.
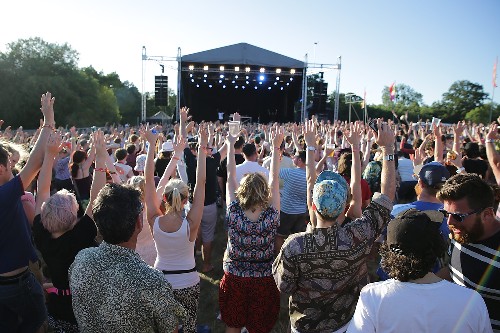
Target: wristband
x=389, y=157
x=490, y=141
x=100, y=169
x=460, y=170
x=311, y=148
x=49, y=126
x=112, y=172
x=175, y=158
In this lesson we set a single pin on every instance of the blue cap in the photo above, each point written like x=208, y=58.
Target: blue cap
x=433, y=174
x=330, y=194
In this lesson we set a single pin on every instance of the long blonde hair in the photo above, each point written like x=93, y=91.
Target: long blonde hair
x=176, y=191
x=253, y=191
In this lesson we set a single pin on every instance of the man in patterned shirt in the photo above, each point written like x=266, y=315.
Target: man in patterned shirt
x=113, y=289
x=324, y=270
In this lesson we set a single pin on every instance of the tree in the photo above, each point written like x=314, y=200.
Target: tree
x=481, y=114
x=407, y=99
x=462, y=97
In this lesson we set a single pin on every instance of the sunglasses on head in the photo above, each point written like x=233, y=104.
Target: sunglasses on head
x=459, y=217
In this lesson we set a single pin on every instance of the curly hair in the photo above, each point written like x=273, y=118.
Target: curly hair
x=253, y=191
x=477, y=192
x=403, y=267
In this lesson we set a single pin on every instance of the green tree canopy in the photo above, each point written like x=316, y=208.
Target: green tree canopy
x=462, y=97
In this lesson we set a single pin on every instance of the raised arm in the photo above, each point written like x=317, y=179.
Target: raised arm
x=276, y=137
x=310, y=139
x=354, y=138
x=34, y=163
x=385, y=140
x=491, y=153
x=178, y=145
x=150, y=198
x=438, y=144
x=45, y=176
x=183, y=119
x=231, y=184
x=196, y=211
x=99, y=178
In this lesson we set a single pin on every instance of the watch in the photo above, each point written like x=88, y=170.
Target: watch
x=312, y=148
x=460, y=170
x=389, y=157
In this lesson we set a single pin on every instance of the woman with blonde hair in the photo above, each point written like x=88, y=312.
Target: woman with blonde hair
x=248, y=296
x=174, y=234
x=60, y=235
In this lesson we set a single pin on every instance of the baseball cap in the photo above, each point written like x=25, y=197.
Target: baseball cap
x=167, y=146
x=140, y=162
x=330, y=194
x=414, y=231
x=433, y=174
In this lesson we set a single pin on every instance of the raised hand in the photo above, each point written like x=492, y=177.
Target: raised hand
x=236, y=116
x=310, y=133
x=355, y=134
x=458, y=129
x=203, y=135
x=276, y=136
x=492, y=133
x=385, y=137
x=151, y=135
x=100, y=144
x=179, y=145
x=47, y=108
x=53, y=144
x=184, y=114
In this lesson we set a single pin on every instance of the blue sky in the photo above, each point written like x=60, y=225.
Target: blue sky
x=425, y=44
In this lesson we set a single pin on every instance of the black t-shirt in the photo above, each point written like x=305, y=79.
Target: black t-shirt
x=476, y=166
x=211, y=184
x=160, y=166
x=59, y=253
x=222, y=170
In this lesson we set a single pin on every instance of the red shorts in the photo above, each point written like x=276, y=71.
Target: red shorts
x=251, y=302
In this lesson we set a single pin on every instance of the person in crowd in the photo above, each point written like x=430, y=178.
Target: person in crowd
x=209, y=219
x=469, y=206
x=344, y=167
x=59, y=235
x=132, y=154
x=163, y=158
x=113, y=290
x=125, y=171
x=250, y=165
x=473, y=163
x=222, y=170
x=293, y=206
x=415, y=299
x=80, y=174
x=315, y=263
x=248, y=296
x=140, y=163
x=62, y=175
x=174, y=233
x=406, y=192
x=17, y=283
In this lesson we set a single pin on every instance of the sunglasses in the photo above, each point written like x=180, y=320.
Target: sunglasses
x=458, y=216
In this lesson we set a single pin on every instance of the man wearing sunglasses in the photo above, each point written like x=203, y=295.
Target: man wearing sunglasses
x=469, y=205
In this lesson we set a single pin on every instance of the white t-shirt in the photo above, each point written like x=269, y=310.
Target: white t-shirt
x=286, y=163
x=394, y=306
x=405, y=168
x=250, y=167
x=123, y=170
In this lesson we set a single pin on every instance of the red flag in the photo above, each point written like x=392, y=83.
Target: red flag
x=494, y=80
x=392, y=91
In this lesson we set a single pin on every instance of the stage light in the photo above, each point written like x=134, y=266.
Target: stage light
x=191, y=67
x=205, y=68
x=205, y=81
x=292, y=71
x=204, y=75
x=190, y=75
x=247, y=77
x=262, y=69
x=197, y=86
x=221, y=68
x=233, y=82
x=192, y=80
x=247, y=69
x=281, y=88
x=275, y=83
x=236, y=76
x=236, y=87
x=288, y=83
x=291, y=79
x=220, y=81
x=277, y=78
x=261, y=77
x=224, y=86
x=247, y=82
x=221, y=76
x=260, y=82
x=242, y=87
x=269, y=88
x=278, y=70
x=210, y=86
x=236, y=69
x=255, y=87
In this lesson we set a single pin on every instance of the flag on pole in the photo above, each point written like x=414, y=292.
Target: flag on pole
x=392, y=91
x=494, y=80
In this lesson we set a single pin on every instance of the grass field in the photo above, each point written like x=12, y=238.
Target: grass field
x=209, y=285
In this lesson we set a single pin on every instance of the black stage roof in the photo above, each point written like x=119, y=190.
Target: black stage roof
x=241, y=78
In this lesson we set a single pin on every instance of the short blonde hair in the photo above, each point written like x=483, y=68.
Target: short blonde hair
x=253, y=191
x=175, y=192
x=59, y=213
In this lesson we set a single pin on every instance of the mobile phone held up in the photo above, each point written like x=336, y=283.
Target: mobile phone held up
x=373, y=125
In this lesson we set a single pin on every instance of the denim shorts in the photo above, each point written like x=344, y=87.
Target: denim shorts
x=22, y=304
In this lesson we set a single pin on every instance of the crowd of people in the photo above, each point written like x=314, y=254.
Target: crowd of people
x=391, y=226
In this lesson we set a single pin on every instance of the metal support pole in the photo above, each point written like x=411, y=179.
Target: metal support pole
x=337, y=91
x=179, y=72
x=143, y=97
x=304, y=115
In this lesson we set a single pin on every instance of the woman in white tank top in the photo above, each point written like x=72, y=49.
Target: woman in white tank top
x=174, y=234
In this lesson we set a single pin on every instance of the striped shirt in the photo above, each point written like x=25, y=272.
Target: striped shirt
x=477, y=266
x=294, y=192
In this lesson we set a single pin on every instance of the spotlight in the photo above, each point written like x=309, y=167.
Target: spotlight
x=260, y=82
x=247, y=77
x=233, y=82
x=262, y=69
x=197, y=86
x=281, y=88
x=205, y=68
x=190, y=75
x=236, y=69
x=247, y=82
x=269, y=88
x=278, y=70
x=204, y=75
x=291, y=79
x=191, y=67
x=221, y=68
x=192, y=80
x=261, y=77
x=236, y=87
x=205, y=81
x=277, y=78
x=236, y=76
x=224, y=86
x=247, y=69
x=242, y=87
x=220, y=81
x=255, y=87
x=221, y=76
x=275, y=83
x=292, y=71
x=210, y=86
x=288, y=83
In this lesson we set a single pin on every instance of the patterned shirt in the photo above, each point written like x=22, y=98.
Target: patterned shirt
x=250, y=245
x=324, y=270
x=114, y=290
